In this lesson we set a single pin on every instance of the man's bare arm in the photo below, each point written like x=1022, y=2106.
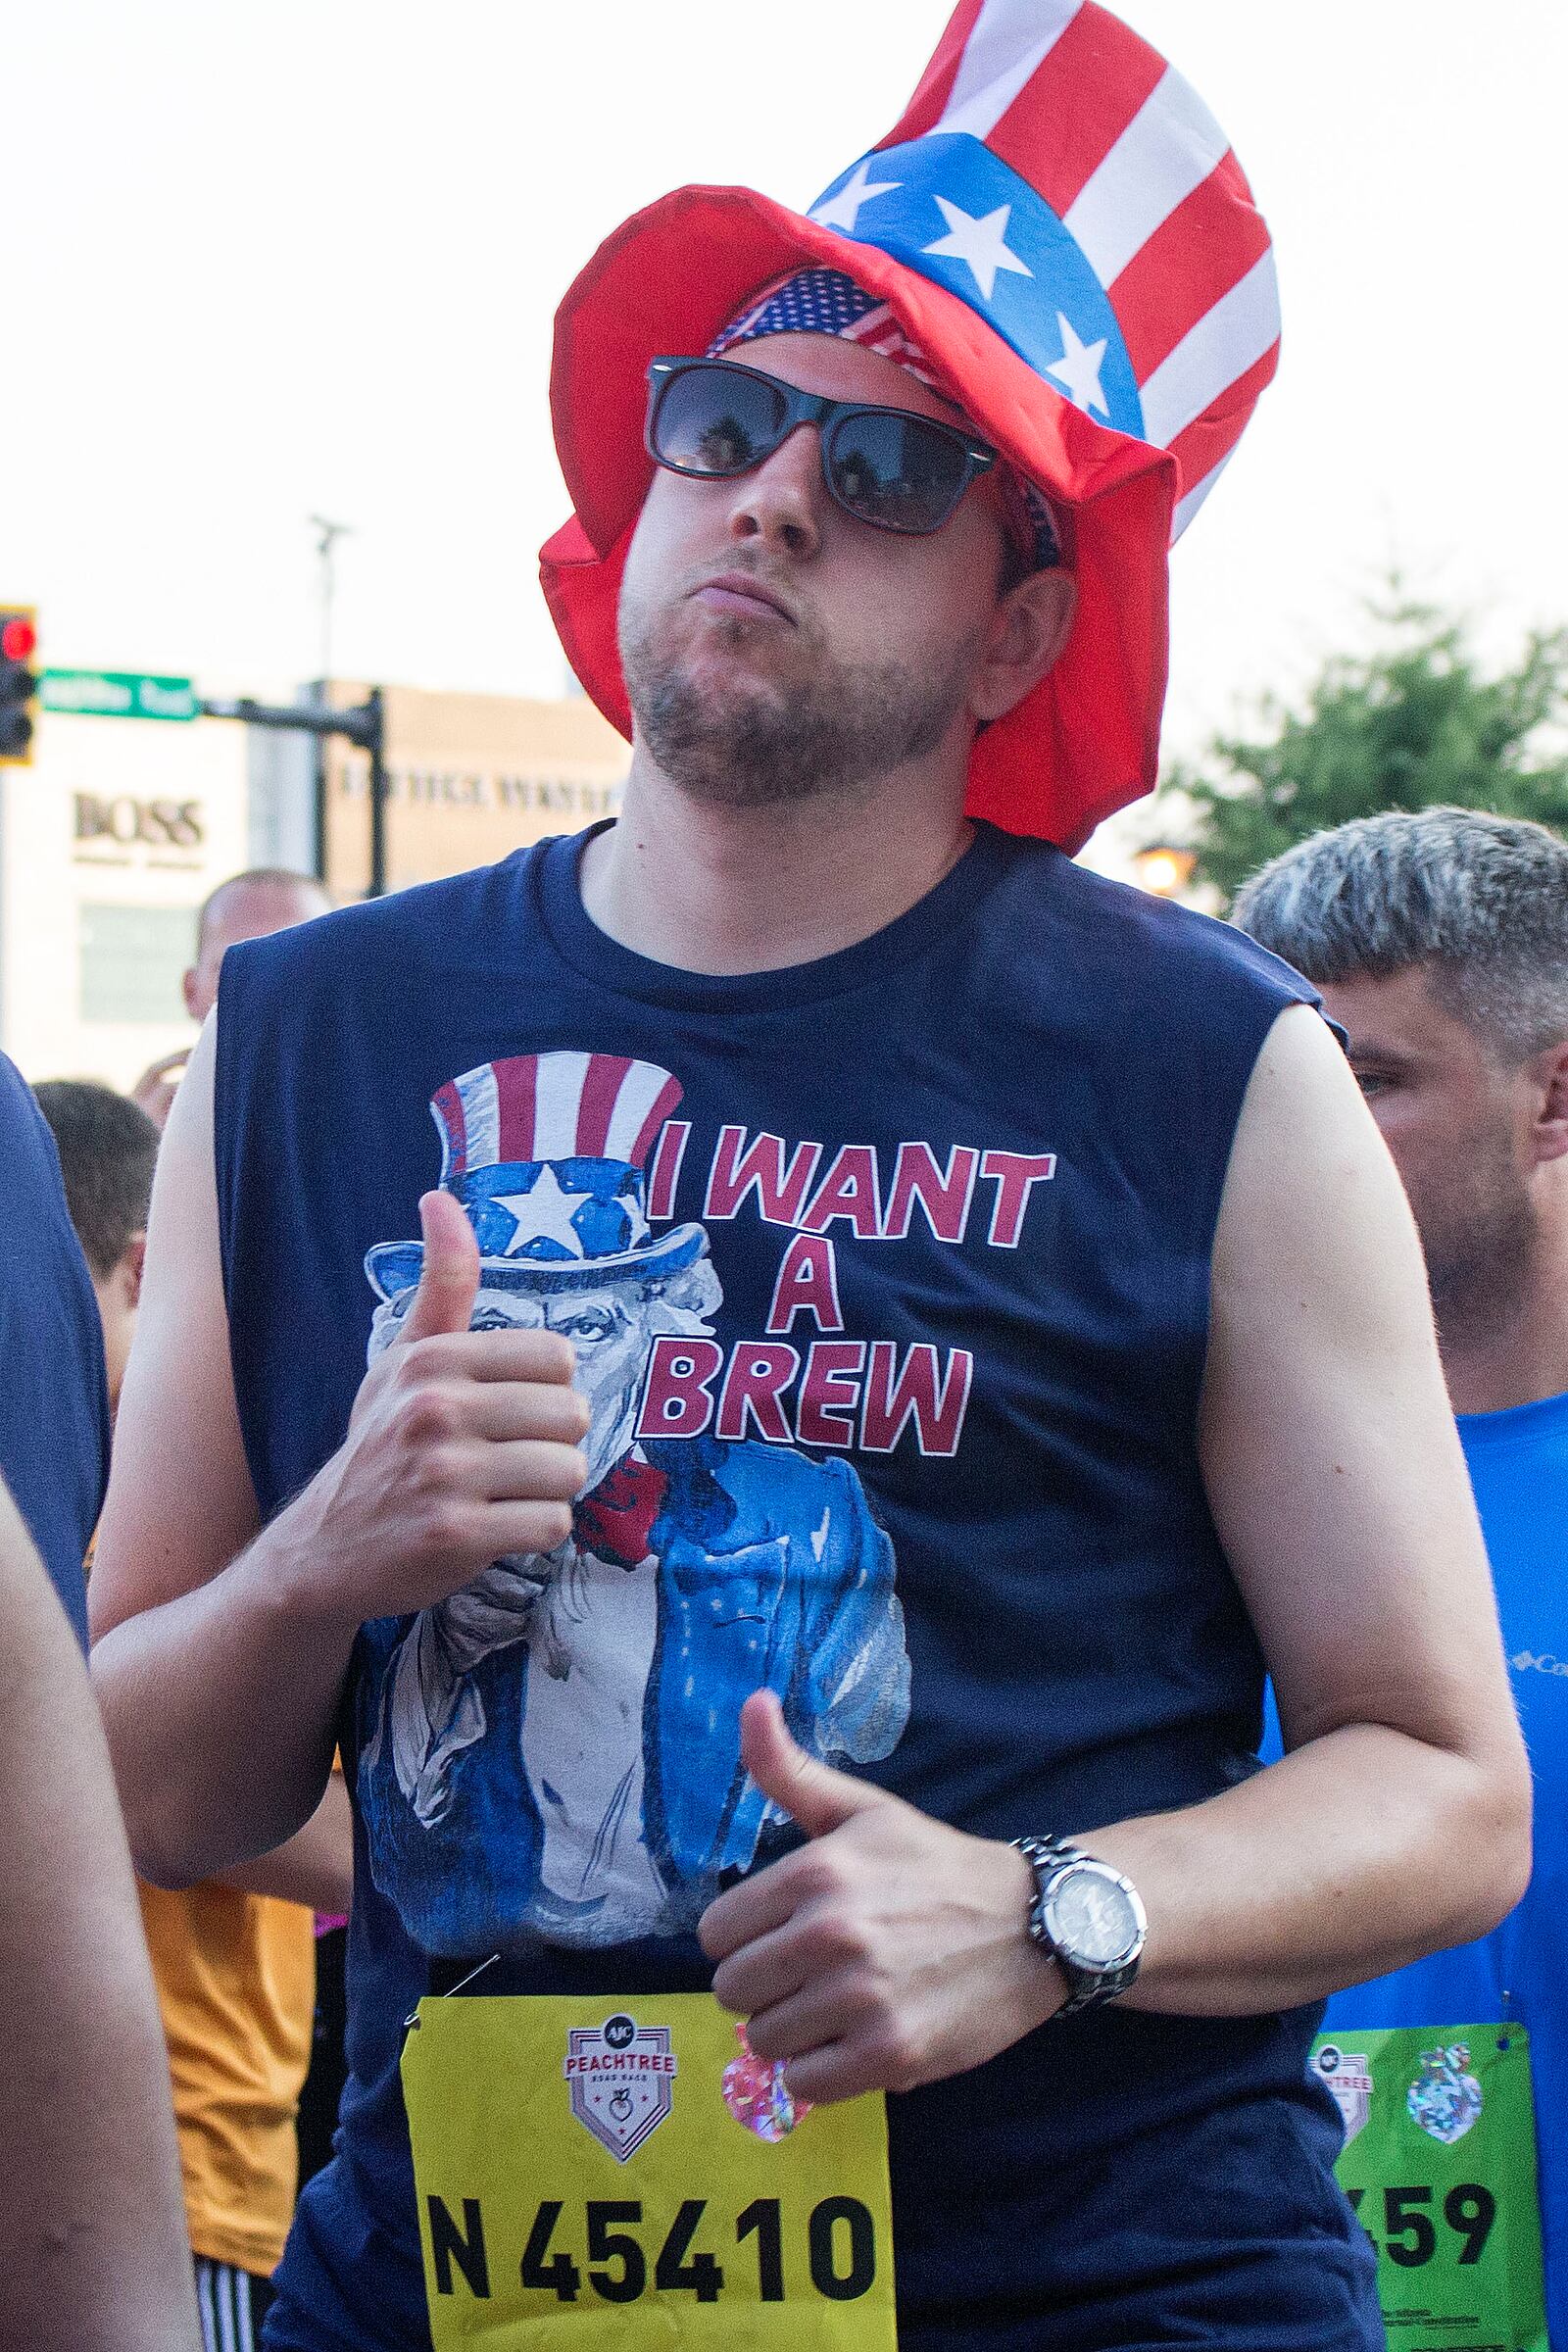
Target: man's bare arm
x=1400, y=1821
x=96, y=2255
x=890, y=1950
x=199, y=1793
x=316, y=1866
x=220, y=1653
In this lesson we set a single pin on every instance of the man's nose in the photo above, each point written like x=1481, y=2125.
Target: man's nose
x=782, y=503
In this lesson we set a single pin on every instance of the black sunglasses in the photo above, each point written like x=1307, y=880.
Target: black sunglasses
x=890, y=468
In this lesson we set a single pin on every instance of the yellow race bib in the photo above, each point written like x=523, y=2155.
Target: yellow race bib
x=628, y=2171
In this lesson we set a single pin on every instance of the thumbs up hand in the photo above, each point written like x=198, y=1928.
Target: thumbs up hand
x=816, y=1798
x=449, y=1281
x=462, y=1447
x=890, y=1950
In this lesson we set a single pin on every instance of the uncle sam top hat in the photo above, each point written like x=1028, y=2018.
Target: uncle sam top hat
x=1058, y=226
x=548, y=1154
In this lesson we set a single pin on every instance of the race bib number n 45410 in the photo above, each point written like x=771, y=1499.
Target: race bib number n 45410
x=629, y=2167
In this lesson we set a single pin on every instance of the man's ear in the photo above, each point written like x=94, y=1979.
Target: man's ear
x=129, y=1272
x=1026, y=633
x=188, y=988
x=1550, y=1131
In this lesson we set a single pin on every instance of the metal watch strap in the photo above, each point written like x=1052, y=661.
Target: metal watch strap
x=1046, y=1856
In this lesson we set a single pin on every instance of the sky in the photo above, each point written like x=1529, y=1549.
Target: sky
x=302, y=259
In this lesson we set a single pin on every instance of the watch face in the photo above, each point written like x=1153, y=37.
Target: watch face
x=1091, y=1916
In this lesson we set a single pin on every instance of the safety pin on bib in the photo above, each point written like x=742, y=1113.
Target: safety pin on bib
x=411, y=2024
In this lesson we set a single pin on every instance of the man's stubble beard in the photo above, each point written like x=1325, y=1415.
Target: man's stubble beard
x=1481, y=1259
x=832, y=736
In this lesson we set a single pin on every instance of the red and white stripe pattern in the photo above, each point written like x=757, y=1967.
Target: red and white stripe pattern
x=544, y=1107
x=1139, y=172
x=880, y=332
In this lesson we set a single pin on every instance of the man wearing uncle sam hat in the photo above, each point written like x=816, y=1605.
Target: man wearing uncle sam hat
x=905, y=1333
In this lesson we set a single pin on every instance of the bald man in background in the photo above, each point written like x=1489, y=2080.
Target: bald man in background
x=250, y=906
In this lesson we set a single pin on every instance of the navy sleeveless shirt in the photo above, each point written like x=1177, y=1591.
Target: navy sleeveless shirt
x=53, y=1409
x=887, y=1277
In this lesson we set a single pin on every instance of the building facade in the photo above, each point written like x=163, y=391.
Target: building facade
x=470, y=777
x=112, y=839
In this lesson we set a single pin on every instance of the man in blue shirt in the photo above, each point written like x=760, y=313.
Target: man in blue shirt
x=1440, y=941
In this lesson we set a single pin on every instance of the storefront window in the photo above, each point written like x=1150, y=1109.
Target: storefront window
x=133, y=960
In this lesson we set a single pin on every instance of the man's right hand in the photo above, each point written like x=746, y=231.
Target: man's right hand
x=462, y=1447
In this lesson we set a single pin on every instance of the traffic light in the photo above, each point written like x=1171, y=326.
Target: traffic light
x=18, y=683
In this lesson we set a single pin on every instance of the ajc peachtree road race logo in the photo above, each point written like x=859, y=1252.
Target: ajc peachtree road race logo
x=623, y=2077
x=1444, y=2098
x=1347, y=2076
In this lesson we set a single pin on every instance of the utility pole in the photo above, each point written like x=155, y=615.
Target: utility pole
x=328, y=535
x=325, y=545
x=365, y=725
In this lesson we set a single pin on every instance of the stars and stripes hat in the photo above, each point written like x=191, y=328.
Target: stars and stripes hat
x=1062, y=240
x=548, y=1154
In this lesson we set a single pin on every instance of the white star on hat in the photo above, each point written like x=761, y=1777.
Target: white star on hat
x=1079, y=369
x=981, y=241
x=544, y=1214
x=843, y=210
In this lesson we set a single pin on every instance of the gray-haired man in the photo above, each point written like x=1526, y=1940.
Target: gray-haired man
x=1439, y=941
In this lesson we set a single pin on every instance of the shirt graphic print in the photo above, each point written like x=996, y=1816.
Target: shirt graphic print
x=553, y=1753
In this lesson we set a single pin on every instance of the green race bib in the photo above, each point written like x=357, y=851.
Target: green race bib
x=1440, y=2164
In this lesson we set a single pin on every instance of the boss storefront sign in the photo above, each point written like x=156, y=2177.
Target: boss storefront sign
x=107, y=845
x=127, y=823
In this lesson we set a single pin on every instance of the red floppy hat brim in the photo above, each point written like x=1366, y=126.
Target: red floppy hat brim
x=1086, y=740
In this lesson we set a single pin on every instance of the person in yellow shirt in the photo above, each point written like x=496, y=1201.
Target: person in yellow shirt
x=235, y=1970
x=237, y=1984
x=234, y=1959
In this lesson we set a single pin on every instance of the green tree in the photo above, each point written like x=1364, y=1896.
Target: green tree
x=1412, y=723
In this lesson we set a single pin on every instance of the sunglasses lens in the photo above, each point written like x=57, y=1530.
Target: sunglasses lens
x=898, y=472
x=716, y=420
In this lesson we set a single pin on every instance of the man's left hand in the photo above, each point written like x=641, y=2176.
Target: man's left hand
x=888, y=1951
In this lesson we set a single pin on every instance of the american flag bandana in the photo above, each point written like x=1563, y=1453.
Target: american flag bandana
x=825, y=302
x=828, y=302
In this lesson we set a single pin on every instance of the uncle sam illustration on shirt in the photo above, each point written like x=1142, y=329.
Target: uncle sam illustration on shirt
x=553, y=1753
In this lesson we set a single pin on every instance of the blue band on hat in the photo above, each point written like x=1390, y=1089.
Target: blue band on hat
x=1022, y=272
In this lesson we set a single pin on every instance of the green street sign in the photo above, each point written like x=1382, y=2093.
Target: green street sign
x=115, y=694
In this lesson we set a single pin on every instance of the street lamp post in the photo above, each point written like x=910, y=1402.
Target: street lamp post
x=325, y=546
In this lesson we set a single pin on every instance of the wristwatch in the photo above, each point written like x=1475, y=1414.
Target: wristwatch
x=1088, y=1918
